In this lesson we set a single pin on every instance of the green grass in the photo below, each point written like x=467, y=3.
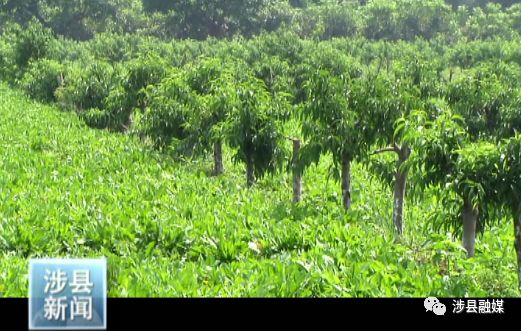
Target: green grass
x=169, y=229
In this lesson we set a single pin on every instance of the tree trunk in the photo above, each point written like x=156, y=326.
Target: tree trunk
x=470, y=219
x=400, y=185
x=129, y=122
x=218, y=158
x=346, y=182
x=297, y=173
x=517, y=240
x=250, y=172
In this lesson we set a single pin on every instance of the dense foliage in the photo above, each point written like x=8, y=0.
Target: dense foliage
x=420, y=96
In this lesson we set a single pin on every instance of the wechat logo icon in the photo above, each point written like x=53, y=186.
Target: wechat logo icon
x=434, y=305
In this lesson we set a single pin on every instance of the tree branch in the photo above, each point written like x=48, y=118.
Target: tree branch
x=397, y=148
x=291, y=139
x=394, y=148
x=383, y=150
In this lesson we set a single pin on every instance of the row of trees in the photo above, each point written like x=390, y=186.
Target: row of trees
x=451, y=118
x=198, y=19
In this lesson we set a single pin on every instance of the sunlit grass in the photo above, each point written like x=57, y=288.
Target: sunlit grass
x=169, y=229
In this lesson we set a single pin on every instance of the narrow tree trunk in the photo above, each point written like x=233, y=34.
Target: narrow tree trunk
x=517, y=241
x=218, y=158
x=129, y=122
x=400, y=185
x=346, y=182
x=470, y=219
x=250, y=172
x=297, y=173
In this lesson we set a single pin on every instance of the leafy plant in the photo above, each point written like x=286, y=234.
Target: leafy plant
x=42, y=79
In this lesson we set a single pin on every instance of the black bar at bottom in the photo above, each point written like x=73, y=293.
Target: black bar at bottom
x=152, y=314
